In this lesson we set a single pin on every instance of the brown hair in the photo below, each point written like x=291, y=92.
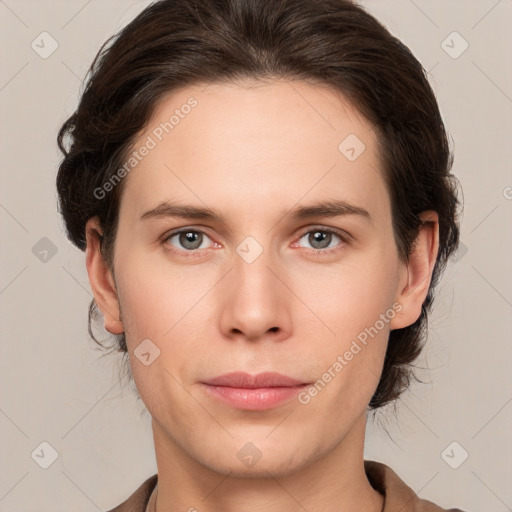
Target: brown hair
x=175, y=43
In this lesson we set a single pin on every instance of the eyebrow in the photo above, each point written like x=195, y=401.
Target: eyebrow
x=329, y=208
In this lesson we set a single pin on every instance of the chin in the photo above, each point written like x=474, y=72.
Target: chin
x=272, y=468
x=258, y=458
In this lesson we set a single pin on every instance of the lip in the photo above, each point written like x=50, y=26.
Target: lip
x=253, y=392
x=261, y=380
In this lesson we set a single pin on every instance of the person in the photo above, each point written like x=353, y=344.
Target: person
x=263, y=192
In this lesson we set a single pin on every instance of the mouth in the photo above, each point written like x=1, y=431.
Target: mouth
x=253, y=392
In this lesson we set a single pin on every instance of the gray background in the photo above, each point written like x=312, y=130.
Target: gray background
x=56, y=388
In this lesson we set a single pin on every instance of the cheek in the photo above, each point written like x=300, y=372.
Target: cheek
x=355, y=302
x=154, y=297
x=167, y=306
x=157, y=311
x=351, y=296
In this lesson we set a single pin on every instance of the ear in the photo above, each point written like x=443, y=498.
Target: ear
x=100, y=278
x=416, y=275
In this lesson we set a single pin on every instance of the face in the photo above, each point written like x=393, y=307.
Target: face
x=268, y=283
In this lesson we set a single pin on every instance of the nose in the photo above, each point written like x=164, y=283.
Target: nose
x=255, y=299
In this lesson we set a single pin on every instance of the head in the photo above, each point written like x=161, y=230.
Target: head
x=254, y=111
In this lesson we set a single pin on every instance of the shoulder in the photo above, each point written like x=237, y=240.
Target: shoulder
x=397, y=494
x=138, y=500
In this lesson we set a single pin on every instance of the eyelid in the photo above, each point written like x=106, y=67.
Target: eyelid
x=328, y=229
x=185, y=229
x=343, y=235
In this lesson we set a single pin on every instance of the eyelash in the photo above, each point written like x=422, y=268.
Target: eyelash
x=200, y=252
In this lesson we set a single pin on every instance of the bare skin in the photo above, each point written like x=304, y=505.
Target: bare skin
x=254, y=154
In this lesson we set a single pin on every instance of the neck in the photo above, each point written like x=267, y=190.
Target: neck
x=334, y=480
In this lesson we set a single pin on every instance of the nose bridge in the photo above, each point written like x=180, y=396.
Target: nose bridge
x=255, y=299
x=252, y=265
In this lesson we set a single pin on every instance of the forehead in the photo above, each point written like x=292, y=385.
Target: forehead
x=277, y=140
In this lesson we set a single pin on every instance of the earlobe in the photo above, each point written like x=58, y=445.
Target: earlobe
x=101, y=279
x=417, y=274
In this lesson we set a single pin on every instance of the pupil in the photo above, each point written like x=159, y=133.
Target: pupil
x=321, y=237
x=190, y=237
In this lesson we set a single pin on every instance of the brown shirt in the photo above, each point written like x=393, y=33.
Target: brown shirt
x=398, y=497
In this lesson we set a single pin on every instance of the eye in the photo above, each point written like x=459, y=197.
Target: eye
x=322, y=240
x=188, y=241
x=194, y=242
